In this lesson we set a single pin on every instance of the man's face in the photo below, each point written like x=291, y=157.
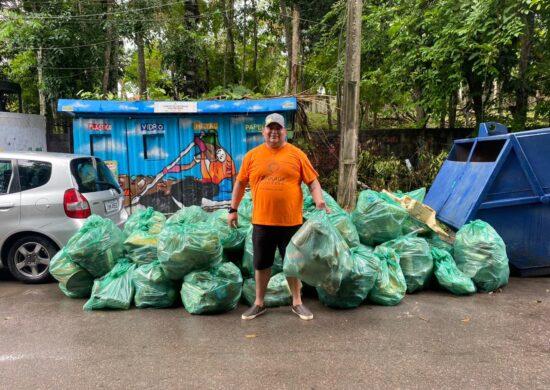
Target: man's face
x=274, y=135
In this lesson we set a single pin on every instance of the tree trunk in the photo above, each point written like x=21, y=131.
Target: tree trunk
x=475, y=91
x=255, y=33
x=420, y=112
x=114, y=73
x=141, y=65
x=243, y=61
x=53, y=109
x=41, y=95
x=453, y=102
x=288, y=41
x=228, y=19
x=522, y=91
x=329, y=112
x=295, y=49
x=190, y=19
x=107, y=51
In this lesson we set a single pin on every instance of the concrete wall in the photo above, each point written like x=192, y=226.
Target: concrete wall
x=22, y=132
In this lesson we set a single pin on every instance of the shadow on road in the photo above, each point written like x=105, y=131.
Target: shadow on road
x=5, y=274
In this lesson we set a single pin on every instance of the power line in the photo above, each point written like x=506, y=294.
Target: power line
x=103, y=14
x=100, y=17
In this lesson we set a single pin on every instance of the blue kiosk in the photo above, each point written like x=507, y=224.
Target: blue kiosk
x=170, y=154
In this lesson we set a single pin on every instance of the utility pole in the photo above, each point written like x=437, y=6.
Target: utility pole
x=295, y=69
x=347, y=180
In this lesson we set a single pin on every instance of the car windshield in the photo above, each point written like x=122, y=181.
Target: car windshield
x=92, y=175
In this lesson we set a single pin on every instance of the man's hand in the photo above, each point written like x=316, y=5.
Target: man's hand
x=233, y=220
x=322, y=205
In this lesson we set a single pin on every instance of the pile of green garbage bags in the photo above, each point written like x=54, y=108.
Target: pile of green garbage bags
x=376, y=253
x=151, y=260
x=396, y=254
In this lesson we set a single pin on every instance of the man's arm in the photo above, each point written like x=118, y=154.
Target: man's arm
x=316, y=193
x=236, y=197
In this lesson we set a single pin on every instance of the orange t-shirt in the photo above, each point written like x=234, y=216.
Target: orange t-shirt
x=275, y=176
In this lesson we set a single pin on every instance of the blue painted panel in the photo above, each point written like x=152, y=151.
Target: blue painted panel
x=537, y=151
x=444, y=184
x=466, y=193
x=152, y=144
x=102, y=137
x=106, y=107
x=246, y=134
x=510, y=182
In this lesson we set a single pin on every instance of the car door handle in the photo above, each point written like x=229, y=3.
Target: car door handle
x=6, y=206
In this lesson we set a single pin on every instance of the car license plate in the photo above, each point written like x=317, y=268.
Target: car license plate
x=111, y=206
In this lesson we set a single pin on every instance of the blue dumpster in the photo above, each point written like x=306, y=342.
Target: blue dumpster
x=503, y=179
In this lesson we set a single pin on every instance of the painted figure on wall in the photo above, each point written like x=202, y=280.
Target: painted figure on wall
x=216, y=164
x=211, y=190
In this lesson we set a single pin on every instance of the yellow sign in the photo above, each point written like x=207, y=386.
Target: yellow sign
x=205, y=125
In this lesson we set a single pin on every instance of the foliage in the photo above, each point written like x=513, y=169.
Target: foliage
x=423, y=61
x=391, y=173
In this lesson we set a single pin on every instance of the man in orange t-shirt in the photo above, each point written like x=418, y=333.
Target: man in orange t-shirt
x=275, y=171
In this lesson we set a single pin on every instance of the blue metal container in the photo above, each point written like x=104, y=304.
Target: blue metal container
x=503, y=179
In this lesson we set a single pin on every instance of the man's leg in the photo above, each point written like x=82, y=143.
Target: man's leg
x=262, y=280
x=295, y=287
x=264, y=252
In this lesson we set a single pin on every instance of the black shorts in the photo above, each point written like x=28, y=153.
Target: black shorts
x=266, y=239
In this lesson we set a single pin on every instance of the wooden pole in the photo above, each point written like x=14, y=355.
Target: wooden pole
x=295, y=73
x=347, y=180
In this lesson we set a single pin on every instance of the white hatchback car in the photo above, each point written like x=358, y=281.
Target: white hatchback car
x=44, y=200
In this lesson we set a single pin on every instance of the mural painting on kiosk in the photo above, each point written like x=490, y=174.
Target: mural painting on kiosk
x=176, y=186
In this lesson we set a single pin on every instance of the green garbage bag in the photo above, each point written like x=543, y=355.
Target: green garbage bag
x=231, y=238
x=153, y=287
x=186, y=248
x=342, y=221
x=338, y=217
x=74, y=281
x=147, y=220
x=188, y=215
x=96, y=246
x=355, y=288
x=141, y=247
x=390, y=286
x=213, y=291
x=415, y=259
x=435, y=242
x=72, y=294
x=318, y=255
x=115, y=290
x=277, y=294
x=449, y=276
x=377, y=220
x=481, y=254
x=419, y=194
x=245, y=211
x=247, y=266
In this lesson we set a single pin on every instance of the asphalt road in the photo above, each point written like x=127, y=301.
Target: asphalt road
x=431, y=340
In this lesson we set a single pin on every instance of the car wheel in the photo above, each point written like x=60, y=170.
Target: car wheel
x=29, y=258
